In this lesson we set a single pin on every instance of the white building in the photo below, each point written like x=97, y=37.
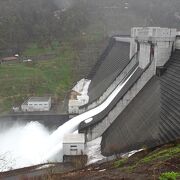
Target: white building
x=37, y=104
x=73, y=144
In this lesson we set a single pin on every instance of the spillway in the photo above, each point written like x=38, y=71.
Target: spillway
x=36, y=145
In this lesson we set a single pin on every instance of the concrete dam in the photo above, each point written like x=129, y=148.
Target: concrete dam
x=129, y=100
x=145, y=112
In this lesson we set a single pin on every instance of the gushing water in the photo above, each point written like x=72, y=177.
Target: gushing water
x=30, y=144
x=22, y=145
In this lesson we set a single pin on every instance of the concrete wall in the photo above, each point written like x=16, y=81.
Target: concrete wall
x=163, y=52
x=144, y=54
x=152, y=118
x=137, y=126
x=97, y=130
x=177, y=43
x=162, y=38
x=169, y=128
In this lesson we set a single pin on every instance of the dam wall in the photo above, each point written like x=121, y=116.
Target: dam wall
x=153, y=47
x=99, y=128
x=137, y=126
x=169, y=127
x=152, y=118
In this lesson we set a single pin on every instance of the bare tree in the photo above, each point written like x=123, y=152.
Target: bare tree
x=6, y=162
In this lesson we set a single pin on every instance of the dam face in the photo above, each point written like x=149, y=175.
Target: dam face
x=139, y=116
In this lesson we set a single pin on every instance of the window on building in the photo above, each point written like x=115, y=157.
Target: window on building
x=72, y=146
x=73, y=149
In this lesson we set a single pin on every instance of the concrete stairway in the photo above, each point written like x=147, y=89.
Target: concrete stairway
x=170, y=100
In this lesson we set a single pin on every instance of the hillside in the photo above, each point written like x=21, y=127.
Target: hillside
x=61, y=43
x=18, y=81
x=161, y=163
x=53, y=71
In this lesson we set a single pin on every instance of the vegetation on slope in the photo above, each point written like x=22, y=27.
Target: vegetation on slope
x=53, y=76
x=158, y=157
x=54, y=37
x=161, y=163
x=21, y=80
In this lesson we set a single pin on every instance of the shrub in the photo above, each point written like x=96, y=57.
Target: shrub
x=169, y=176
x=120, y=163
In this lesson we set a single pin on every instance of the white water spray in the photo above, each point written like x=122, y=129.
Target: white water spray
x=32, y=144
x=22, y=145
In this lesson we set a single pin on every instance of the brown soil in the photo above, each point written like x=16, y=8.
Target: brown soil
x=142, y=171
x=144, y=165
x=107, y=171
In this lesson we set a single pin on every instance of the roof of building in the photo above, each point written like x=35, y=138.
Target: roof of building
x=13, y=58
x=74, y=138
x=25, y=103
x=36, y=99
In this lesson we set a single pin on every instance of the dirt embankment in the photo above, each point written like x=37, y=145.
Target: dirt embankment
x=149, y=164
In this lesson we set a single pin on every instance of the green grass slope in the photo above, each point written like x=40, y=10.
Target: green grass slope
x=51, y=77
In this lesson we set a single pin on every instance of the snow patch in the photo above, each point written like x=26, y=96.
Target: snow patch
x=82, y=86
x=93, y=151
x=82, y=98
x=129, y=154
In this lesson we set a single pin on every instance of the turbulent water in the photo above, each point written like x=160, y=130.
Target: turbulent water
x=31, y=144
x=23, y=145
